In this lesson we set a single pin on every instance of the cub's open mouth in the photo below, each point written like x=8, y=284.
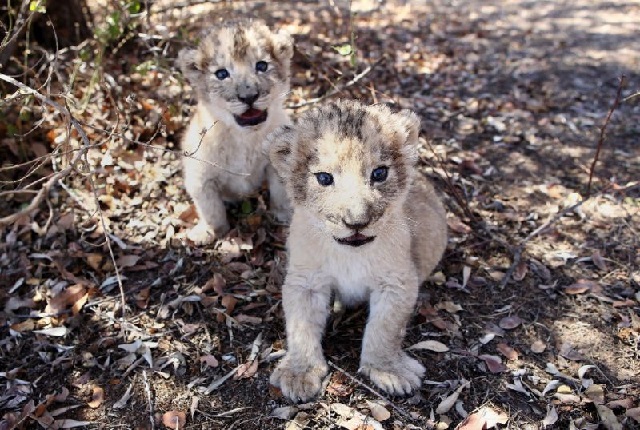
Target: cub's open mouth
x=251, y=117
x=356, y=239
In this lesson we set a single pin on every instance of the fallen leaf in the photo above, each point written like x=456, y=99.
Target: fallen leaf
x=493, y=362
x=430, y=345
x=485, y=418
x=507, y=351
x=520, y=271
x=538, y=346
x=568, y=352
x=53, y=331
x=551, y=417
x=124, y=399
x=128, y=260
x=626, y=403
x=284, y=413
x=70, y=424
x=209, y=360
x=609, y=419
x=595, y=393
x=97, y=398
x=510, y=322
x=582, y=286
x=339, y=385
x=351, y=419
x=449, y=306
x=448, y=402
x=634, y=413
x=378, y=412
x=174, y=419
x=599, y=262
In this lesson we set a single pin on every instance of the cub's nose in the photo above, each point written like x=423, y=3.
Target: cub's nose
x=355, y=224
x=248, y=99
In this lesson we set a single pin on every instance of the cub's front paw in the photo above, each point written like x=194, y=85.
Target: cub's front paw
x=397, y=377
x=202, y=234
x=299, y=381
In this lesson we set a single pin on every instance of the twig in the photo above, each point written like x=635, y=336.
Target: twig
x=37, y=200
x=616, y=102
x=395, y=407
x=147, y=390
x=357, y=78
x=517, y=255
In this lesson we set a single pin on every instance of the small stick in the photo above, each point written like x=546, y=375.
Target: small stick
x=616, y=102
x=357, y=78
x=396, y=408
x=147, y=390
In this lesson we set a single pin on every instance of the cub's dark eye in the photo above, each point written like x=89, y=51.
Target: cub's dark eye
x=324, y=179
x=379, y=174
x=222, y=74
x=262, y=66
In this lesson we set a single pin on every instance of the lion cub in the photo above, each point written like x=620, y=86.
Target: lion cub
x=364, y=226
x=240, y=73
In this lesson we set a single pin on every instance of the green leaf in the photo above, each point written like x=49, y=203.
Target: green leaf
x=344, y=50
x=246, y=207
x=135, y=6
x=38, y=6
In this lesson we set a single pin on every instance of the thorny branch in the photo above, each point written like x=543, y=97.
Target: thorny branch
x=616, y=102
x=357, y=78
x=71, y=121
x=517, y=255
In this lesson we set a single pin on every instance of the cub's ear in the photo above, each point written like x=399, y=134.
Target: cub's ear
x=189, y=63
x=279, y=144
x=411, y=122
x=283, y=45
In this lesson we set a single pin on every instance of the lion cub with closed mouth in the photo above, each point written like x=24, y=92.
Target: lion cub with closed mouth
x=366, y=226
x=240, y=73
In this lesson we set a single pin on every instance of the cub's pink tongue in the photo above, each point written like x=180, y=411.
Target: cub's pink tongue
x=251, y=113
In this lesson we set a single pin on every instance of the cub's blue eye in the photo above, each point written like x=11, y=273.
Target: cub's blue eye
x=324, y=179
x=262, y=66
x=379, y=174
x=222, y=74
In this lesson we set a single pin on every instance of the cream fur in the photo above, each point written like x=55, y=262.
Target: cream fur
x=223, y=160
x=410, y=237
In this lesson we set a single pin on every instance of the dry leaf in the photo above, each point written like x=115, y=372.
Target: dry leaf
x=284, y=413
x=430, y=345
x=507, y=351
x=97, y=398
x=634, y=413
x=510, y=322
x=339, y=385
x=520, y=271
x=595, y=393
x=449, y=306
x=626, y=403
x=128, y=260
x=174, y=419
x=448, y=402
x=599, y=261
x=378, y=412
x=538, y=346
x=582, y=286
x=551, y=417
x=609, y=419
x=485, y=418
x=209, y=360
x=53, y=331
x=493, y=362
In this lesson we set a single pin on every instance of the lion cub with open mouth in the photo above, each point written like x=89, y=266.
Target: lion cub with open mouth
x=240, y=73
x=364, y=226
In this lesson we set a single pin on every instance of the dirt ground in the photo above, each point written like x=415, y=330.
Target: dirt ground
x=530, y=321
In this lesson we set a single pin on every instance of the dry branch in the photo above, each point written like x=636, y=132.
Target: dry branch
x=616, y=102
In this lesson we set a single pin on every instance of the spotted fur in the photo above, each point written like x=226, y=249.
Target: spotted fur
x=360, y=238
x=225, y=159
